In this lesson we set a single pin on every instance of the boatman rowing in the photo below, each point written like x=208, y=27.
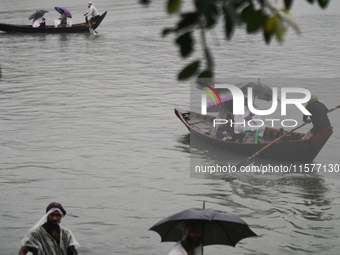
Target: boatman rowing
x=318, y=118
x=93, y=12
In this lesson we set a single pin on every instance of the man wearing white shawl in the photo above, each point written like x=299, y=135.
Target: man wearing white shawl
x=48, y=237
x=191, y=241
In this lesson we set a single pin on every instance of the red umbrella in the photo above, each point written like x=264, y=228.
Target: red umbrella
x=66, y=11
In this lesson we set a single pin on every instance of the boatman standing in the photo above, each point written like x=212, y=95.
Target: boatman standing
x=318, y=118
x=48, y=237
x=93, y=12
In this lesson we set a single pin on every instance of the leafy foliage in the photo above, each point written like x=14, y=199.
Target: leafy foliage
x=256, y=16
x=189, y=70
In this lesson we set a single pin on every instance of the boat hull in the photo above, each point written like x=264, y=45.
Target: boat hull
x=28, y=29
x=296, y=150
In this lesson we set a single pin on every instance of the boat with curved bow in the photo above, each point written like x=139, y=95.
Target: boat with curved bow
x=75, y=28
x=291, y=148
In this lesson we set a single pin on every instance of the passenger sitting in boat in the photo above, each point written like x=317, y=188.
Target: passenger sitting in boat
x=39, y=22
x=247, y=122
x=63, y=19
x=318, y=118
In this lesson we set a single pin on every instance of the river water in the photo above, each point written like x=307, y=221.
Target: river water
x=88, y=121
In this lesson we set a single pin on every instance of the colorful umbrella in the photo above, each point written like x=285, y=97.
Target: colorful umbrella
x=66, y=11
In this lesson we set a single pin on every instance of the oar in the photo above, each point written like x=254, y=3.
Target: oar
x=92, y=32
x=250, y=159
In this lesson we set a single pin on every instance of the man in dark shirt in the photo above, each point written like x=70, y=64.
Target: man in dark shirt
x=318, y=118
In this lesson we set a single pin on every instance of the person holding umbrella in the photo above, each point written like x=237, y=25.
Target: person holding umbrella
x=63, y=19
x=194, y=228
x=38, y=18
x=40, y=22
x=191, y=241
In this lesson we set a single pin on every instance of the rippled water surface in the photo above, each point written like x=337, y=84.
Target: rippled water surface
x=88, y=121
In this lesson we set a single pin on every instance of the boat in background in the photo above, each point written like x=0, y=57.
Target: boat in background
x=75, y=28
x=290, y=148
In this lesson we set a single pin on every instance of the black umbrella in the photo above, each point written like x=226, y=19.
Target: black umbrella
x=260, y=90
x=217, y=227
x=37, y=14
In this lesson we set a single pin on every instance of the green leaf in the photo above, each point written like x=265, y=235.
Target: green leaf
x=270, y=23
x=253, y=18
x=173, y=6
x=273, y=25
x=189, y=70
x=185, y=43
x=310, y=1
x=279, y=31
x=205, y=74
x=323, y=3
x=267, y=37
x=188, y=19
x=288, y=4
x=247, y=13
x=255, y=21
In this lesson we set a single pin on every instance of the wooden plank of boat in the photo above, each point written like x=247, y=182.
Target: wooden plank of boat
x=28, y=29
x=292, y=148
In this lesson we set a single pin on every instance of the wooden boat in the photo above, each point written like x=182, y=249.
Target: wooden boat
x=290, y=148
x=75, y=28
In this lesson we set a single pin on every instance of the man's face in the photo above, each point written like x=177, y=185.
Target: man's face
x=54, y=217
x=194, y=237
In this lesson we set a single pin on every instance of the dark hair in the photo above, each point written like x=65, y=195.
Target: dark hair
x=56, y=205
